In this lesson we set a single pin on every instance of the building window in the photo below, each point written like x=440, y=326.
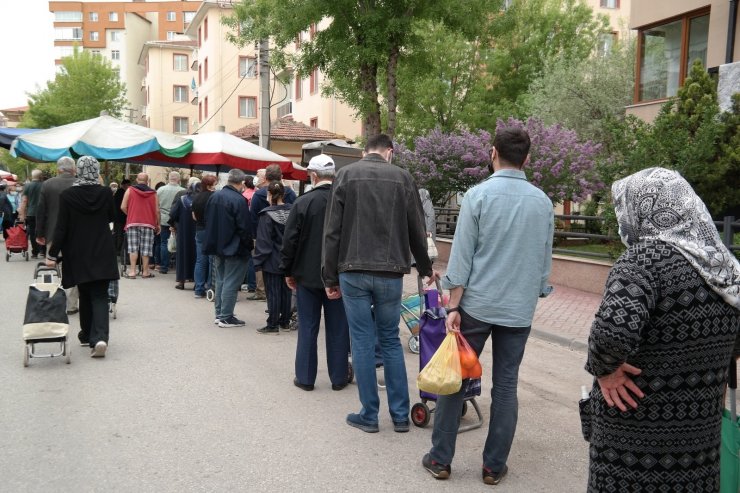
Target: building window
x=181, y=125
x=93, y=17
x=171, y=35
x=115, y=35
x=68, y=33
x=68, y=16
x=610, y=4
x=314, y=122
x=62, y=51
x=187, y=17
x=298, y=39
x=606, y=43
x=247, y=66
x=666, y=52
x=180, y=62
x=247, y=107
x=200, y=75
x=171, y=16
x=180, y=94
x=298, y=88
x=205, y=107
x=113, y=16
x=205, y=69
x=205, y=29
x=95, y=52
x=200, y=32
x=94, y=36
x=115, y=55
x=314, y=81
x=200, y=111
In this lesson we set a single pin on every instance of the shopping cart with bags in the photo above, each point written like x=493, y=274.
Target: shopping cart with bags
x=17, y=241
x=45, y=320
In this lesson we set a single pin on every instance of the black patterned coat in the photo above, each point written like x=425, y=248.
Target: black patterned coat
x=659, y=315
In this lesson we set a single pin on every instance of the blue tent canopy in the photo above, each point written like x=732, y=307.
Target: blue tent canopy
x=7, y=135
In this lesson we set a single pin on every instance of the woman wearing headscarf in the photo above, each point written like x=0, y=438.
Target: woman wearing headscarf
x=84, y=245
x=183, y=225
x=661, y=343
x=202, y=261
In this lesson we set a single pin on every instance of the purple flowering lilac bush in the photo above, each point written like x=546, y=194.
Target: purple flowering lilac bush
x=450, y=163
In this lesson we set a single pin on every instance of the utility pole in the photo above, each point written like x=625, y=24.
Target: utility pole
x=264, y=68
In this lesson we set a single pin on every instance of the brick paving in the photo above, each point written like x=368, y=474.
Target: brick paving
x=564, y=317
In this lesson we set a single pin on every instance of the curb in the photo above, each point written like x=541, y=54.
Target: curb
x=572, y=344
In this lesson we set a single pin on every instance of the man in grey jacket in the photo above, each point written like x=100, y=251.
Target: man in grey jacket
x=47, y=212
x=364, y=261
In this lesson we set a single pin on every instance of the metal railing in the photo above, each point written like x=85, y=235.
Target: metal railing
x=574, y=230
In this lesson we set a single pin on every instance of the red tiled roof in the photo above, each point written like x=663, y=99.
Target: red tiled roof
x=19, y=108
x=287, y=129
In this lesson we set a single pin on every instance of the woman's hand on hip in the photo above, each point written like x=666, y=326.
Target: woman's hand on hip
x=618, y=387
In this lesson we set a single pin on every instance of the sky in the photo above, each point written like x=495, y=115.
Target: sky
x=27, y=39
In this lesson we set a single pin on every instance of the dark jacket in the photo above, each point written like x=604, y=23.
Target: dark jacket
x=199, y=208
x=83, y=235
x=300, y=256
x=270, y=232
x=228, y=225
x=259, y=202
x=46, y=212
x=374, y=217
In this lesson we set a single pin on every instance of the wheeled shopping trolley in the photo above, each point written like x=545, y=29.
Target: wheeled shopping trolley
x=45, y=320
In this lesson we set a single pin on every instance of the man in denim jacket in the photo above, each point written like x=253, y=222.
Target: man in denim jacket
x=374, y=217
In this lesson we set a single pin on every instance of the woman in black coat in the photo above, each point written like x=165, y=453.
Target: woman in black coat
x=84, y=245
x=183, y=224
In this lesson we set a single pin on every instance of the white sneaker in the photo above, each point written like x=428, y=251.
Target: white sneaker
x=99, y=350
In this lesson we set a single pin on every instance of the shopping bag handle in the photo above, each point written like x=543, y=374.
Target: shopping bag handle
x=420, y=285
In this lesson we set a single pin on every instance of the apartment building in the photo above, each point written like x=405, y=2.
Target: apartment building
x=117, y=31
x=672, y=34
x=618, y=13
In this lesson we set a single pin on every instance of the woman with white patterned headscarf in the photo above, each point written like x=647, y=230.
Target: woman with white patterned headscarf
x=661, y=343
x=83, y=240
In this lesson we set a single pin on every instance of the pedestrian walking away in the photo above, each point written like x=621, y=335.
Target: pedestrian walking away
x=84, y=245
x=266, y=259
x=47, y=212
x=301, y=262
x=165, y=198
x=364, y=261
x=202, y=261
x=182, y=222
x=499, y=265
x=27, y=211
x=661, y=343
x=229, y=240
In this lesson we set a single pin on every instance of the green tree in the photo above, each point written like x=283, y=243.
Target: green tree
x=364, y=42
x=85, y=85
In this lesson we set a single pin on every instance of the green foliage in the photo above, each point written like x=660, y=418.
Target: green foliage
x=19, y=166
x=86, y=85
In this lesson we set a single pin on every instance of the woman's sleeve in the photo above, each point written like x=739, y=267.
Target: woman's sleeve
x=629, y=299
x=263, y=245
x=175, y=213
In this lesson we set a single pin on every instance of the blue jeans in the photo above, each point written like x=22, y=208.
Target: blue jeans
x=373, y=307
x=229, y=274
x=251, y=278
x=164, y=254
x=508, y=351
x=202, y=264
x=310, y=302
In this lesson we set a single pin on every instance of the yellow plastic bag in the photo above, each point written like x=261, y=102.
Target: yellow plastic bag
x=442, y=374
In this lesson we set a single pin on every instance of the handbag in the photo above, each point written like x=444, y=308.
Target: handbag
x=172, y=244
x=432, y=248
x=442, y=374
x=469, y=364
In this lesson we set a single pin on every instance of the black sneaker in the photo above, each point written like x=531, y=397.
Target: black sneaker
x=490, y=477
x=302, y=386
x=285, y=328
x=437, y=470
x=401, y=426
x=356, y=421
x=337, y=387
x=232, y=321
x=268, y=330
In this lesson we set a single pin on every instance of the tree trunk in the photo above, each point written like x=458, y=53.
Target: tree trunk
x=371, y=120
x=392, y=89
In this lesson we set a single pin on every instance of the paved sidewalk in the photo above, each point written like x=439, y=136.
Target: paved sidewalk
x=563, y=318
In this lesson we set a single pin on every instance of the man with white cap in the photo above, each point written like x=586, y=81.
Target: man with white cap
x=301, y=261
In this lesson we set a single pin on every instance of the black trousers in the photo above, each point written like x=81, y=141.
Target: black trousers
x=278, y=299
x=36, y=249
x=93, y=312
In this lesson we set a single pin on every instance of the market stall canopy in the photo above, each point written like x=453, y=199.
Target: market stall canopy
x=220, y=151
x=103, y=137
x=7, y=176
x=8, y=135
x=342, y=152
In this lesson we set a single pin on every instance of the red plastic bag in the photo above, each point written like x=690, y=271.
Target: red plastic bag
x=469, y=364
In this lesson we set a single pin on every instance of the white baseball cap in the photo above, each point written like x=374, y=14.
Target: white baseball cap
x=321, y=162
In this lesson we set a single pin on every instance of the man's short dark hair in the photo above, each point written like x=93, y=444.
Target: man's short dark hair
x=273, y=173
x=512, y=145
x=249, y=182
x=378, y=142
x=125, y=182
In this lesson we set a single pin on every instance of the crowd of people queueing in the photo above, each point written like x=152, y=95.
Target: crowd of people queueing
x=659, y=347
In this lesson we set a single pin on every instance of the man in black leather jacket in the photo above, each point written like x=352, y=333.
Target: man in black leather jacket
x=374, y=217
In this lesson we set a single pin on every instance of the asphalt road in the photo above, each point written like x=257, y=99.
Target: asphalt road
x=181, y=405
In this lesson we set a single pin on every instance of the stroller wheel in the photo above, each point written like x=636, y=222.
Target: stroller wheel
x=210, y=295
x=25, y=254
x=420, y=414
x=26, y=350
x=7, y=257
x=464, y=409
x=414, y=344
x=350, y=373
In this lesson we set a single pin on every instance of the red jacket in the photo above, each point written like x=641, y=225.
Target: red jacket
x=142, y=207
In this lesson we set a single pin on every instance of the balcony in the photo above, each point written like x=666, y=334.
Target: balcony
x=285, y=109
x=143, y=83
